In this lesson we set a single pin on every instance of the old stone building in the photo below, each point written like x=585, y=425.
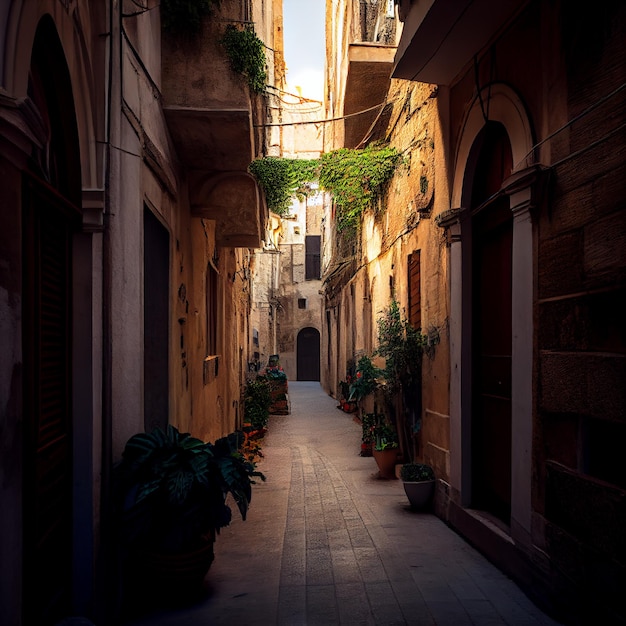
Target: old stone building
x=511, y=115
x=127, y=218
x=400, y=252
x=286, y=278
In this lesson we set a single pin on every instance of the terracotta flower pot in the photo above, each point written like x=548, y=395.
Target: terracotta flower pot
x=386, y=461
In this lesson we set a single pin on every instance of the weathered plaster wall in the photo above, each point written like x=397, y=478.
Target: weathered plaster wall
x=401, y=225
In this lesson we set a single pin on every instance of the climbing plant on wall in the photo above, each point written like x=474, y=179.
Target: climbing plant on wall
x=247, y=55
x=354, y=177
x=283, y=178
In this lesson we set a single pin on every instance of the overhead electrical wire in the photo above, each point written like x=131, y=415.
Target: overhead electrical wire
x=327, y=120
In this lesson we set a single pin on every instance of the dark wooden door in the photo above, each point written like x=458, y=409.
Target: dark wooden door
x=49, y=221
x=491, y=435
x=492, y=237
x=308, y=354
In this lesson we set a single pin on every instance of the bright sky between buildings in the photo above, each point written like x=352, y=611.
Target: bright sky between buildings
x=304, y=46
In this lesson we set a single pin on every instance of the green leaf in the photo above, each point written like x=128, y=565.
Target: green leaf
x=179, y=484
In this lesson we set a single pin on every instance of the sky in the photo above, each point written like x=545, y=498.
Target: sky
x=303, y=22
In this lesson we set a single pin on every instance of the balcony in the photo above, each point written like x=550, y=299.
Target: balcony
x=208, y=110
x=440, y=37
x=367, y=83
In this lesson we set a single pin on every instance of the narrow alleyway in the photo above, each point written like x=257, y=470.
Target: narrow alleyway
x=326, y=543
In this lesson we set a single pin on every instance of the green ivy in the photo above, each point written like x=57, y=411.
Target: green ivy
x=356, y=178
x=247, y=55
x=283, y=178
x=181, y=16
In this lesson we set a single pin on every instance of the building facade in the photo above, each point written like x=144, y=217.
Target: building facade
x=286, y=279
x=127, y=220
x=511, y=119
x=399, y=253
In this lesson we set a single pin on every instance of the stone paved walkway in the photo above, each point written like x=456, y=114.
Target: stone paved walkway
x=327, y=543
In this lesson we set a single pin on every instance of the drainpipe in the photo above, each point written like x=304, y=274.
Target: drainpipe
x=273, y=301
x=108, y=594
x=273, y=311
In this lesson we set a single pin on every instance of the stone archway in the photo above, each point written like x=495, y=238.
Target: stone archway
x=491, y=288
x=51, y=218
x=514, y=194
x=308, y=356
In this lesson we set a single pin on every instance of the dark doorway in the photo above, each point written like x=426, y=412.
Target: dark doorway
x=492, y=236
x=156, y=280
x=50, y=218
x=309, y=354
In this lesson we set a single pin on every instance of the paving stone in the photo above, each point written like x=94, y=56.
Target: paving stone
x=327, y=543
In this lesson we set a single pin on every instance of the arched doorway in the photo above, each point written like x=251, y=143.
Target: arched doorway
x=491, y=295
x=51, y=195
x=512, y=124
x=308, y=354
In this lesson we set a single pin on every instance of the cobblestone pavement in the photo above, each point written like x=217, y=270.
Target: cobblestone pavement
x=327, y=543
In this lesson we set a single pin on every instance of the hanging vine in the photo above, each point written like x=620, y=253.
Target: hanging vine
x=247, y=55
x=283, y=178
x=354, y=177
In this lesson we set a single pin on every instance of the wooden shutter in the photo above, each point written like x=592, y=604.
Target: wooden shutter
x=312, y=244
x=49, y=221
x=415, y=292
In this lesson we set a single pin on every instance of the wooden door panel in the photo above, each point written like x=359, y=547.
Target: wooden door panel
x=49, y=222
x=491, y=372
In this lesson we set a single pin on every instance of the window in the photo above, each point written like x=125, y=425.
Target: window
x=156, y=321
x=312, y=257
x=415, y=292
x=302, y=303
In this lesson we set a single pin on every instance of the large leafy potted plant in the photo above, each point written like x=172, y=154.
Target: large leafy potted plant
x=402, y=347
x=170, y=497
x=419, y=483
x=257, y=403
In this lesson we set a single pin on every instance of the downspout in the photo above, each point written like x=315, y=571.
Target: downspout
x=108, y=597
x=273, y=301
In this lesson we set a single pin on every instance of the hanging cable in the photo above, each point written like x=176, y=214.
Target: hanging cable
x=575, y=119
x=331, y=119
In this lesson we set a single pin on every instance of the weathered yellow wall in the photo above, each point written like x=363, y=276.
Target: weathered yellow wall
x=402, y=224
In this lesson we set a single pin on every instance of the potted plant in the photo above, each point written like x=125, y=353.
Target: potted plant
x=170, y=502
x=277, y=378
x=345, y=404
x=402, y=347
x=419, y=483
x=368, y=424
x=385, y=450
x=365, y=379
x=257, y=403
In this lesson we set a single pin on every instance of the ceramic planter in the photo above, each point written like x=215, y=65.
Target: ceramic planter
x=419, y=493
x=386, y=461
